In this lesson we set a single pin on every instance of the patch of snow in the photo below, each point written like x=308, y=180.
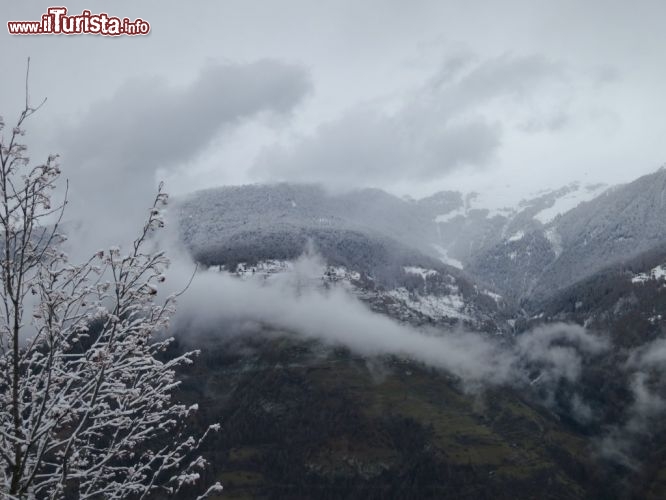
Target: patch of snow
x=424, y=273
x=657, y=273
x=495, y=296
x=569, y=201
x=517, y=236
x=451, y=215
x=476, y=202
x=267, y=269
x=555, y=240
x=263, y=268
x=446, y=306
x=444, y=257
x=337, y=273
x=655, y=319
x=497, y=201
x=502, y=212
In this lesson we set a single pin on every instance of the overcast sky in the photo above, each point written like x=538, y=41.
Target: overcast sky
x=413, y=97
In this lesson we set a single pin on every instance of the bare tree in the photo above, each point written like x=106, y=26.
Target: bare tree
x=86, y=408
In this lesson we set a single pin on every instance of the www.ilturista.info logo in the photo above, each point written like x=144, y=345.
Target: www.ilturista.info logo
x=57, y=22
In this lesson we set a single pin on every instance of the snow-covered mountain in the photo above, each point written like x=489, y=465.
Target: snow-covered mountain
x=619, y=224
x=471, y=224
x=367, y=228
x=384, y=248
x=534, y=247
x=584, y=255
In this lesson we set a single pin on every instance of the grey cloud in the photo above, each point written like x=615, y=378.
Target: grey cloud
x=471, y=143
x=362, y=144
x=535, y=91
x=451, y=121
x=112, y=154
x=451, y=68
x=148, y=123
x=606, y=74
x=365, y=147
x=508, y=75
x=353, y=63
x=551, y=123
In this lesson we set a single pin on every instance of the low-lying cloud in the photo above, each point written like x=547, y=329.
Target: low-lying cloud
x=645, y=369
x=220, y=304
